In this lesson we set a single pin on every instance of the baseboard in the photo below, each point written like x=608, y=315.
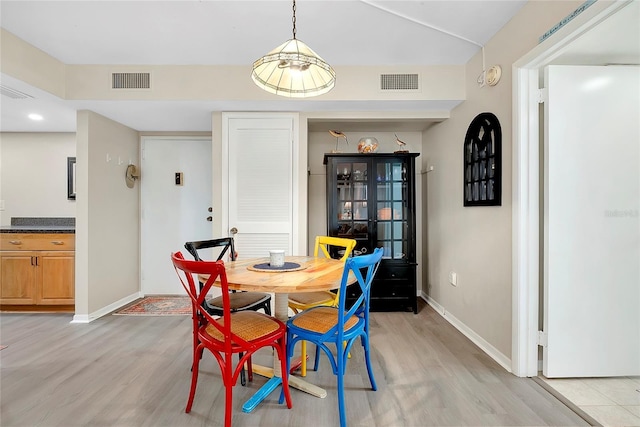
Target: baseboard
x=490, y=350
x=87, y=318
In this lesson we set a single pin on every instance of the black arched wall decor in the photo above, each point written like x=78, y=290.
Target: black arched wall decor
x=483, y=162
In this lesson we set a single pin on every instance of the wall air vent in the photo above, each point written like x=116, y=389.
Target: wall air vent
x=13, y=93
x=399, y=82
x=130, y=80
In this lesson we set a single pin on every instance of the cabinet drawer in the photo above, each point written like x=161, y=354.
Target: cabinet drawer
x=386, y=289
x=392, y=289
x=37, y=242
x=395, y=272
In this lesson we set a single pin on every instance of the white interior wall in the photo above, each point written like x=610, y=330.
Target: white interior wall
x=33, y=175
x=107, y=224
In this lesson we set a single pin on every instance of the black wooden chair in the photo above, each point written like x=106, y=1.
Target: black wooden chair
x=238, y=300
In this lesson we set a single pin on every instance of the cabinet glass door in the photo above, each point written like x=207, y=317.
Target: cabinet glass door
x=391, y=208
x=352, y=191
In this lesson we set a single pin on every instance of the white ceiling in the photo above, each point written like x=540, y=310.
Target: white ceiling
x=343, y=32
x=347, y=32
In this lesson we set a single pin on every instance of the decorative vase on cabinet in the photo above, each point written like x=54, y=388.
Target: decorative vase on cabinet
x=371, y=198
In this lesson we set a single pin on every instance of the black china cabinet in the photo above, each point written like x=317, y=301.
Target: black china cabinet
x=371, y=198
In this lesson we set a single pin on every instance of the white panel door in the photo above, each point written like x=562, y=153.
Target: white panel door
x=592, y=225
x=172, y=214
x=260, y=182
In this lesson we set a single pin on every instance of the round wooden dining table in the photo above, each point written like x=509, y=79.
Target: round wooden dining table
x=312, y=274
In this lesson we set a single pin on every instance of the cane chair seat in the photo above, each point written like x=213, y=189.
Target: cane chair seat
x=321, y=320
x=248, y=325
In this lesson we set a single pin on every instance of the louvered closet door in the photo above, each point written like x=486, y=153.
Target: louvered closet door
x=260, y=184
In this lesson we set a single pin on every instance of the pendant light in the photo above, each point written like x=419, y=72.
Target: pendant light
x=293, y=69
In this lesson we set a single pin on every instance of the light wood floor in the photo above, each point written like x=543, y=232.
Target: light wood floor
x=134, y=371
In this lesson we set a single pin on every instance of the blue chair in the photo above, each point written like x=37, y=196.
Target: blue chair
x=339, y=326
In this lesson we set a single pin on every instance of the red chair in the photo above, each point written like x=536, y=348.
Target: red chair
x=239, y=332
x=239, y=301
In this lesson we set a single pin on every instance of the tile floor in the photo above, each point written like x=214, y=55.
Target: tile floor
x=613, y=402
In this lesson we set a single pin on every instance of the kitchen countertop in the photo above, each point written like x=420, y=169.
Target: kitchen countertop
x=41, y=225
x=42, y=229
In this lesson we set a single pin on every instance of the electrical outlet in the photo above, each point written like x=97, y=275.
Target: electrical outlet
x=453, y=278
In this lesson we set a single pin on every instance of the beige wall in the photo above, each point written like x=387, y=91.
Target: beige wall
x=228, y=83
x=31, y=65
x=33, y=175
x=475, y=242
x=107, y=224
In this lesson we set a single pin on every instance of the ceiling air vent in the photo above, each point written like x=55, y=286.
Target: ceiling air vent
x=399, y=82
x=131, y=80
x=13, y=93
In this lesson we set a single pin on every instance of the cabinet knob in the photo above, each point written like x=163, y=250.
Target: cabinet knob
x=15, y=242
x=209, y=218
x=57, y=242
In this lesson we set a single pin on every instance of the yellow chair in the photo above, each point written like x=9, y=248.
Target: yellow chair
x=300, y=301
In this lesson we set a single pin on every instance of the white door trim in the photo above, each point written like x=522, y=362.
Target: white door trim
x=525, y=181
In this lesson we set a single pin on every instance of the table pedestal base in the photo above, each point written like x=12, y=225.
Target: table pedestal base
x=263, y=392
x=269, y=386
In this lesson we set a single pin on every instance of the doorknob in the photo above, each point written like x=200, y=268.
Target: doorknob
x=234, y=230
x=209, y=218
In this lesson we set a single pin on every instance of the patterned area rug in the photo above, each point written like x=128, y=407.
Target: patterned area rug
x=158, y=306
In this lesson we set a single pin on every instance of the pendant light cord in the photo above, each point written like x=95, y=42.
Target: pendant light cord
x=294, y=19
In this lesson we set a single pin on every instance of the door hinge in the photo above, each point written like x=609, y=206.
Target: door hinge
x=542, y=338
x=543, y=95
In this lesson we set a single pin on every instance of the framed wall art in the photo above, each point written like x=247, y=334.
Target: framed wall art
x=483, y=162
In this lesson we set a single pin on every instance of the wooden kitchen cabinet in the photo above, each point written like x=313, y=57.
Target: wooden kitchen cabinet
x=37, y=269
